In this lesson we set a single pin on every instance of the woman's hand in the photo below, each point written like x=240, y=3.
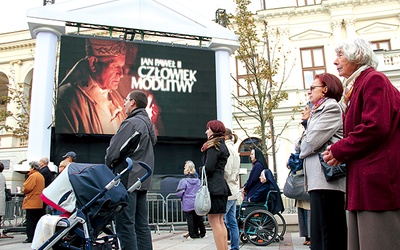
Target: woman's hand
x=329, y=158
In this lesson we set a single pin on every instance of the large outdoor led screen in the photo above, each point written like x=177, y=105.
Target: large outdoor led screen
x=96, y=75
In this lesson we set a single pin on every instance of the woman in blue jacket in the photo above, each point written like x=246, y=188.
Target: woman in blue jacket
x=186, y=190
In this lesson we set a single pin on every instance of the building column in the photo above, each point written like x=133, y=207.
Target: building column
x=42, y=91
x=223, y=49
x=349, y=25
x=336, y=26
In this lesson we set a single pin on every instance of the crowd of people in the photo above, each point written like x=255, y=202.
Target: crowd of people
x=356, y=123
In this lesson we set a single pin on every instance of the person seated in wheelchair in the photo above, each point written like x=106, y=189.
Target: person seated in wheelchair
x=268, y=189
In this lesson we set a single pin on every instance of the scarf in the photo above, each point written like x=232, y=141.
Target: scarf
x=212, y=142
x=316, y=105
x=349, y=84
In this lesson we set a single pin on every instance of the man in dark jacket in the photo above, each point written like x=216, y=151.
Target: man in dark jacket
x=45, y=171
x=132, y=223
x=48, y=178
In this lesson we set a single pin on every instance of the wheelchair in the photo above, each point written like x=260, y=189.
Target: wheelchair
x=258, y=225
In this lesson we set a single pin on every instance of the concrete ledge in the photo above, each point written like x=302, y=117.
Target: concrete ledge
x=291, y=222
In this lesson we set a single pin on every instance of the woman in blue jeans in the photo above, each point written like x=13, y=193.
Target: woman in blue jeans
x=231, y=176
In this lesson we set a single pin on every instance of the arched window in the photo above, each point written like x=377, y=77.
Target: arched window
x=245, y=148
x=245, y=162
x=3, y=95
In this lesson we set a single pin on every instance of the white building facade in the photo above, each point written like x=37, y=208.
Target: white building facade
x=310, y=30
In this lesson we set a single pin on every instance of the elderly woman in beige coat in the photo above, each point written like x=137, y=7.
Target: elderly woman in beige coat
x=328, y=217
x=33, y=204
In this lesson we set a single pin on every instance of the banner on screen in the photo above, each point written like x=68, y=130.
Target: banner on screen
x=96, y=75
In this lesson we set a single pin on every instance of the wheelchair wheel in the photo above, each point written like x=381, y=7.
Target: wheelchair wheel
x=281, y=227
x=243, y=238
x=260, y=228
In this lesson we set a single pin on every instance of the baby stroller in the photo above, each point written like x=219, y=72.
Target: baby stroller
x=89, y=196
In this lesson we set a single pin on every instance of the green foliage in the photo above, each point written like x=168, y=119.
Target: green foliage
x=265, y=62
x=18, y=96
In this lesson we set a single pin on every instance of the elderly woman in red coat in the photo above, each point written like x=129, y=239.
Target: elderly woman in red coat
x=33, y=204
x=370, y=147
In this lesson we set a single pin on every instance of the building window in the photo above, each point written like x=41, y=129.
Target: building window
x=312, y=62
x=246, y=146
x=384, y=44
x=3, y=94
x=307, y=2
x=244, y=88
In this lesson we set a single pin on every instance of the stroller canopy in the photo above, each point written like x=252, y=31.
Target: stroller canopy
x=79, y=183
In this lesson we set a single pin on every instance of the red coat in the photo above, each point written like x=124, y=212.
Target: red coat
x=371, y=144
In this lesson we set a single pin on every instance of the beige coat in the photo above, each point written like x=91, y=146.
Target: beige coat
x=324, y=125
x=2, y=195
x=231, y=172
x=32, y=188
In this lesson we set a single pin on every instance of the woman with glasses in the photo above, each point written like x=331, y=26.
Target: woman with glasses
x=328, y=217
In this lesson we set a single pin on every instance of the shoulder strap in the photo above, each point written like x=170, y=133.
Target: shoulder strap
x=203, y=177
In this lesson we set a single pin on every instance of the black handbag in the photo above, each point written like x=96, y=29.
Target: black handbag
x=332, y=173
x=294, y=187
x=8, y=194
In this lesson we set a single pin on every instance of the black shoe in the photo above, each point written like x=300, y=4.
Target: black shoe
x=202, y=235
x=194, y=236
x=27, y=241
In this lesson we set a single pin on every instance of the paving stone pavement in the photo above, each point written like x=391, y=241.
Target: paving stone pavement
x=166, y=240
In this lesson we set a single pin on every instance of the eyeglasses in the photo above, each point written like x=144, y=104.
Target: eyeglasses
x=313, y=87
x=127, y=100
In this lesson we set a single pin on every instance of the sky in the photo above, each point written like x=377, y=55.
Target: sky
x=15, y=11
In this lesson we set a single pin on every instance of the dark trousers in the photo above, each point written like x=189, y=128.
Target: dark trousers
x=328, y=220
x=132, y=223
x=195, y=224
x=32, y=218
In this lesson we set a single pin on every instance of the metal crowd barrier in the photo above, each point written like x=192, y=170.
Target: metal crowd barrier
x=156, y=210
x=289, y=205
x=164, y=211
x=174, y=213
x=14, y=213
x=167, y=211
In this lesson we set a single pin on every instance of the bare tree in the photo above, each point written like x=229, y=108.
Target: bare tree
x=267, y=68
x=18, y=95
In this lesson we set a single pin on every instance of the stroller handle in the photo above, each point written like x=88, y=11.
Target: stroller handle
x=139, y=182
x=118, y=176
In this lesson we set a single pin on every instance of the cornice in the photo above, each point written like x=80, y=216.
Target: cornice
x=18, y=45
x=325, y=7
